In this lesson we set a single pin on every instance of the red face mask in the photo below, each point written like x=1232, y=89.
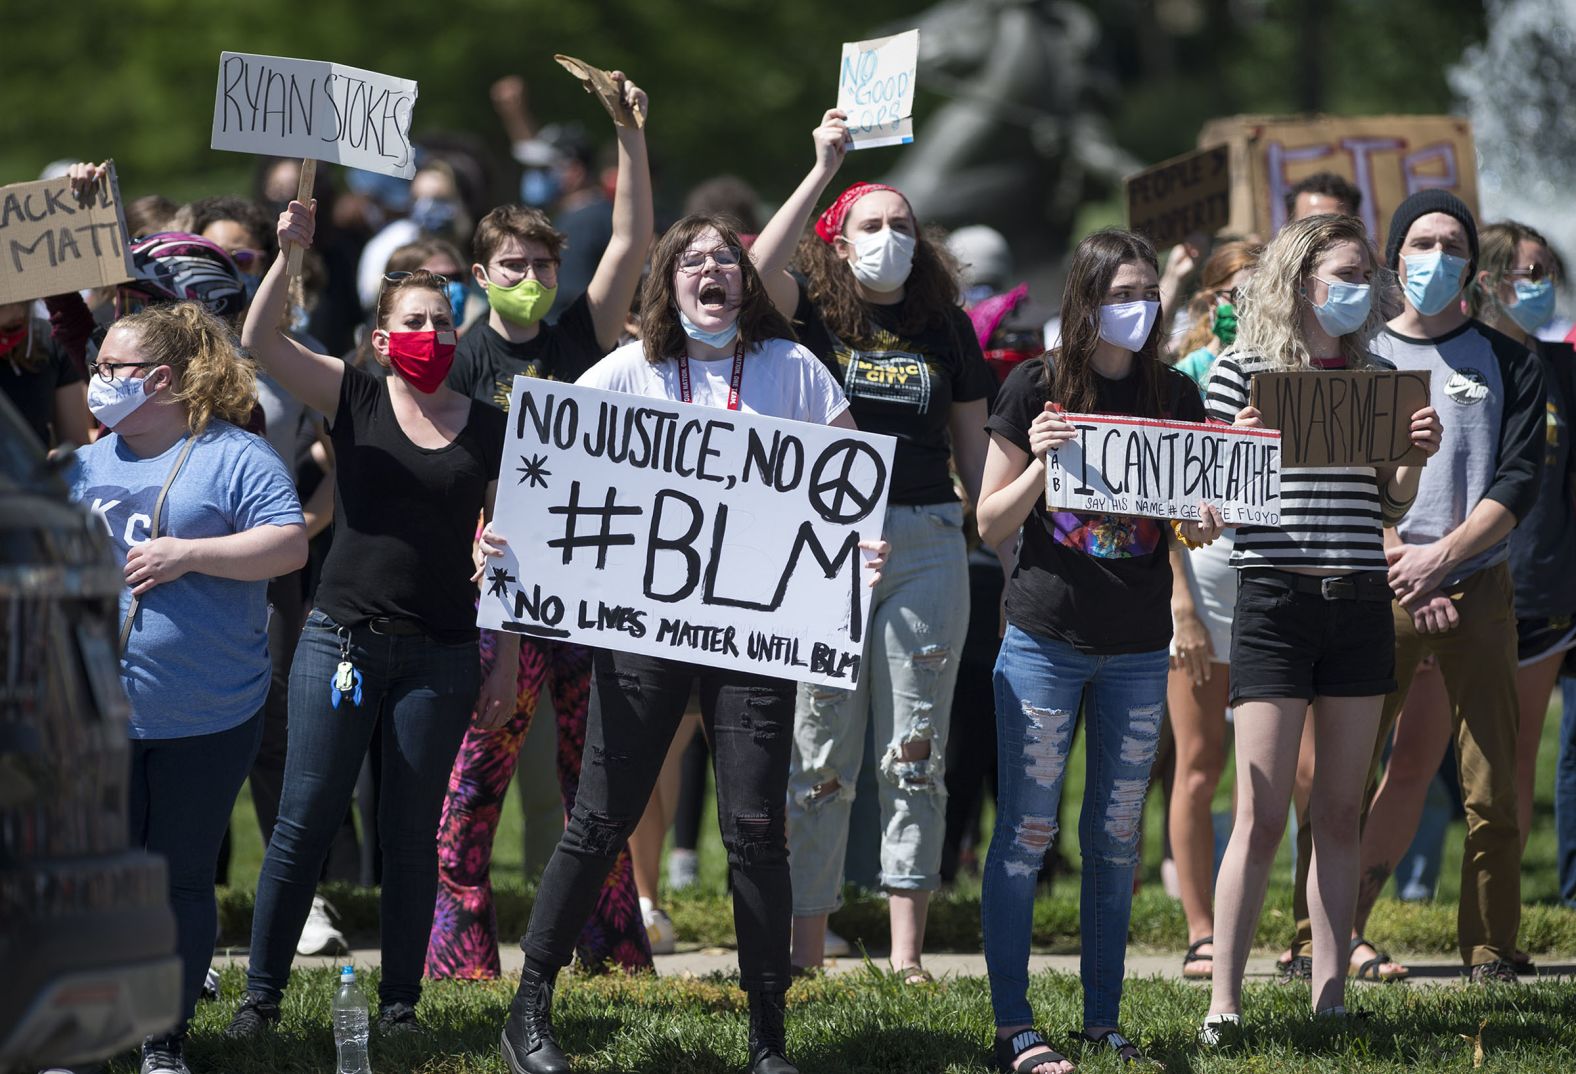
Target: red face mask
x=11, y=337
x=422, y=358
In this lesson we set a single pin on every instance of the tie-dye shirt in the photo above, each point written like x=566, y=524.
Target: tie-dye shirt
x=1100, y=583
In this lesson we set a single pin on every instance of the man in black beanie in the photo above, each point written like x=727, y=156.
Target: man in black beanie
x=1449, y=572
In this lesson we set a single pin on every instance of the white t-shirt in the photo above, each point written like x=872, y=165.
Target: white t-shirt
x=781, y=380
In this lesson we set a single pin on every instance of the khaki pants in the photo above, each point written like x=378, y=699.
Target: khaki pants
x=1478, y=662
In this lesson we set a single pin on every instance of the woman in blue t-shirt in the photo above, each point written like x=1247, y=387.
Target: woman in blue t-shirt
x=203, y=514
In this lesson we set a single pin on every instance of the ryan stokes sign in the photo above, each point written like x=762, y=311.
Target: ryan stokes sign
x=711, y=536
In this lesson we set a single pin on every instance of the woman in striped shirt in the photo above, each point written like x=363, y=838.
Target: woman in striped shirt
x=1313, y=623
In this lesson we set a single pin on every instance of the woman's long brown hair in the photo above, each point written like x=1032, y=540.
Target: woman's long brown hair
x=661, y=334
x=1069, y=378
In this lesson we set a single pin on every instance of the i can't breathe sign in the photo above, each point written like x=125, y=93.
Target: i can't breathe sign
x=710, y=536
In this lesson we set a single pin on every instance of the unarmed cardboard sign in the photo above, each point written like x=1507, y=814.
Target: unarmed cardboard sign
x=314, y=110
x=1180, y=196
x=1164, y=469
x=600, y=85
x=705, y=535
x=875, y=87
x=50, y=243
x=1343, y=417
x=1388, y=158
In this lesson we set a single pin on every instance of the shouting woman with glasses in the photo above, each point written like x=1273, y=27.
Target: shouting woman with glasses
x=391, y=642
x=709, y=337
x=517, y=256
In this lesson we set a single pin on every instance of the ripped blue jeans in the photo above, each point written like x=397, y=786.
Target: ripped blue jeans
x=1039, y=684
x=918, y=620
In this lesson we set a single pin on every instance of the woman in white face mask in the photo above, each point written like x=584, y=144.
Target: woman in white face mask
x=202, y=514
x=1313, y=623
x=877, y=299
x=1088, y=614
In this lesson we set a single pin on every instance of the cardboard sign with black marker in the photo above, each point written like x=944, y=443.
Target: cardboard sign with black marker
x=1343, y=417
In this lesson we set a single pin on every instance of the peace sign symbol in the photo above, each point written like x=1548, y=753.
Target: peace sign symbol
x=844, y=456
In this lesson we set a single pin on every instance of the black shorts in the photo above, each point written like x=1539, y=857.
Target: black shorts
x=1288, y=641
x=1543, y=637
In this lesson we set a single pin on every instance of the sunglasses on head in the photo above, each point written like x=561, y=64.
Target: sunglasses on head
x=396, y=277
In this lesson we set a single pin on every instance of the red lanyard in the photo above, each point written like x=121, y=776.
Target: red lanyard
x=733, y=383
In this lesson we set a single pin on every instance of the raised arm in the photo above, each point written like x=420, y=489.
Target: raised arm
x=617, y=275
x=312, y=378
x=774, y=246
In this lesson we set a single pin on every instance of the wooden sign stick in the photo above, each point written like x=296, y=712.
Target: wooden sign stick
x=304, y=196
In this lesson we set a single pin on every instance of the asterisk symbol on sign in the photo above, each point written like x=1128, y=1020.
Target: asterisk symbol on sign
x=499, y=582
x=534, y=470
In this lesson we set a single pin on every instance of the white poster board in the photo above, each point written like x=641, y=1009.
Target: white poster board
x=1163, y=469
x=693, y=533
x=314, y=110
x=875, y=87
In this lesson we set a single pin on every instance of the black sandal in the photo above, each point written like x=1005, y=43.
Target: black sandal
x=1125, y=1049
x=1373, y=969
x=1009, y=1052
x=1296, y=968
x=1193, y=956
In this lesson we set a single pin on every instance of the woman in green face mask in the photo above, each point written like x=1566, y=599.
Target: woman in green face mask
x=1203, y=595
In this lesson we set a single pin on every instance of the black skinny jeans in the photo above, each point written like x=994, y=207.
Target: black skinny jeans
x=636, y=704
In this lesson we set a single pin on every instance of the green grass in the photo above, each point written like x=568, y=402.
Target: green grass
x=868, y=1022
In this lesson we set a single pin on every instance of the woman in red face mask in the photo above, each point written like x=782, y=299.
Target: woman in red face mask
x=393, y=633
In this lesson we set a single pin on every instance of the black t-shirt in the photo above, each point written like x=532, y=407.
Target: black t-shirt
x=1543, y=544
x=30, y=379
x=904, y=388
x=1100, y=583
x=485, y=364
x=405, y=516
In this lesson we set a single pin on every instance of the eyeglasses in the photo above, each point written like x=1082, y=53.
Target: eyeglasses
x=396, y=277
x=245, y=258
x=1225, y=294
x=1535, y=273
x=692, y=261
x=106, y=370
x=539, y=267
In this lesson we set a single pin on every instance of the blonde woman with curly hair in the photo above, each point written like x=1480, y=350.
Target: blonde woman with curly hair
x=202, y=514
x=1312, y=624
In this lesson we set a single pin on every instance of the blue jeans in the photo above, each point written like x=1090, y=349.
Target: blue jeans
x=182, y=791
x=1039, y=684
x=1565, y=794
x=421, y=692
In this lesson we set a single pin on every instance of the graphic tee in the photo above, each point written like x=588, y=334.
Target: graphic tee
x=1098, y=582
x=485, y=363
x=905, y=387
x=196, y=662
x=780, y=379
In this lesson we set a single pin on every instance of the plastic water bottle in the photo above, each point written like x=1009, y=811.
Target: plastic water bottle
x=351, y=1025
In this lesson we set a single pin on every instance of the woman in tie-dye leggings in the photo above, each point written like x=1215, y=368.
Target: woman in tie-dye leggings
x=464, y=941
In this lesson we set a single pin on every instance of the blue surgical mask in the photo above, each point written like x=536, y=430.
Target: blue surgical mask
x=1432, y=280
x=434, y=214
x=719, y=339
x=1534, y=306
x=457, y=292
x=540, y=187
x=1345, y=308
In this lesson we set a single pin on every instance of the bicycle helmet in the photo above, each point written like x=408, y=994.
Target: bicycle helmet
x=174, y=266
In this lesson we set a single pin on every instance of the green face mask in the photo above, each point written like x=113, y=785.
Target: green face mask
x=1225, y=324
x=523, y=304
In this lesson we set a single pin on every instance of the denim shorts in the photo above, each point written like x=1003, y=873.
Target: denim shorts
x=1287, y=642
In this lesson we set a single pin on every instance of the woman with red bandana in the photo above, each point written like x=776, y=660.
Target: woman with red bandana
x=392, y=640
x=877, y=302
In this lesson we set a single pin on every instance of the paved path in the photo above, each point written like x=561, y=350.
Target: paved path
x=699, y=962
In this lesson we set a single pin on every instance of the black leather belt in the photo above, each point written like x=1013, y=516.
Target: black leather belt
x=1363, y=585
x=397, y=627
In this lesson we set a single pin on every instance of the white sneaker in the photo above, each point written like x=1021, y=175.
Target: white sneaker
x=162, y=1055
x=659, y=930
x=835, y=946
x=318, y=935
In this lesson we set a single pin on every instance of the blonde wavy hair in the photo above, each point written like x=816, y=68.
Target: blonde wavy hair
x=213, y=379
x=1269, y=319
